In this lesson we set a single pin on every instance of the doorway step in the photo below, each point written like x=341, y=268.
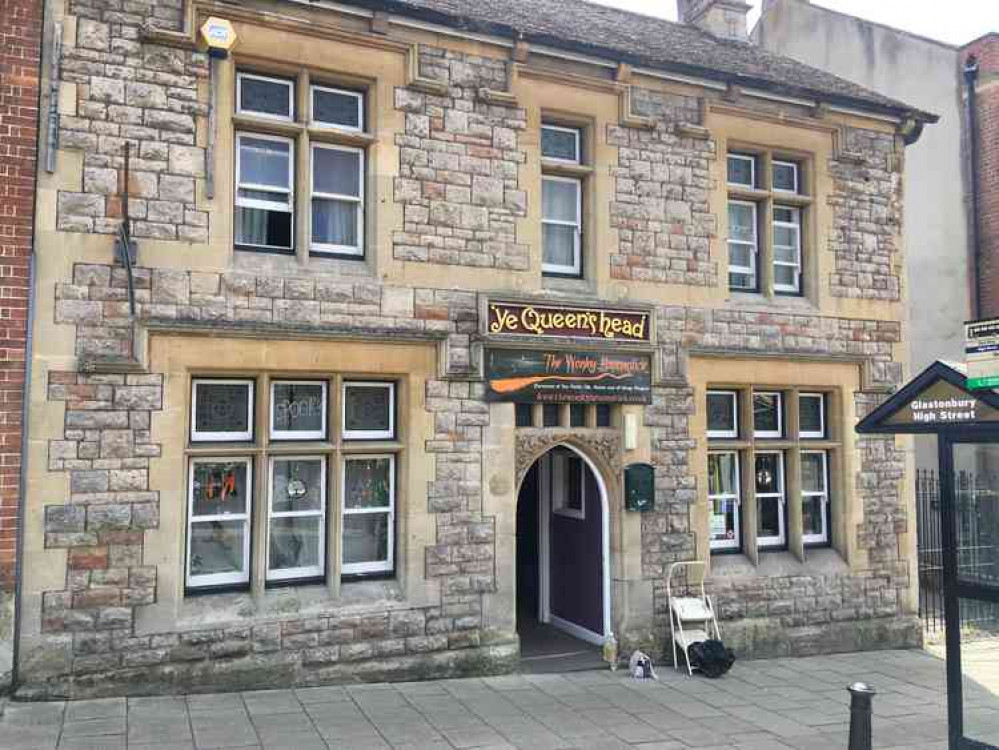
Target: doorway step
x=545, y=649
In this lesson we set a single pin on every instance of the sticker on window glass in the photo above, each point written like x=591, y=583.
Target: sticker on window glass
x=222, y=410
x=368, y=410
x=298, y=410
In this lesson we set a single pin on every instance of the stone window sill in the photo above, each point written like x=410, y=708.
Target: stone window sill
x=291, y=264
x=749, y=302
x=243, y=608
x=818, y=562
x=567, y=285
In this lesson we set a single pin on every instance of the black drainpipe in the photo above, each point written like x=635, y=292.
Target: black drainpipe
x=970, y=85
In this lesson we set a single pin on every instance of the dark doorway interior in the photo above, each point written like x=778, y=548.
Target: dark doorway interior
x=544, y=647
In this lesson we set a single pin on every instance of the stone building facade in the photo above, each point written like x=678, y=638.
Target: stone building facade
x=402, y=464
x=20, y=54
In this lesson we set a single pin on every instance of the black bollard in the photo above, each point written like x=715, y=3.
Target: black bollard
x=861, y=695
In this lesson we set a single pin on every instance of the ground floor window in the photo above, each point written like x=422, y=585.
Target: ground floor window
x=725, y=500
x=768, y=448
x=266, y=491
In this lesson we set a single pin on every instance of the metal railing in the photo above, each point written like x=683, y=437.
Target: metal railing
x=977, y=500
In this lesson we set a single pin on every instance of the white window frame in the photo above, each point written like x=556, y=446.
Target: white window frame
x=222, y=437
x=796, y=226
x=724, y=434
x=380, y=566
x=822, y=538
x=577, y=265
x=359, y=96
x=578, y=136
x=219, y=579
x=557, y=468
x=770, y=434
x=310, y=572
x=288, y=208
x=323, y=248
x=797, y=176
x=754, y=262
x=289, y=84
x=299, y=435
x=388, y=434
x=752, y=170
x=811, y=434
x=736, y=497
x=767, y=542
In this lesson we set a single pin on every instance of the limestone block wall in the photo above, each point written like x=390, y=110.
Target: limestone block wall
x=125, y=91
x=867, y=210
x=459, y=164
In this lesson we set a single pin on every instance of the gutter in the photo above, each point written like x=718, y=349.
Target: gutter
x=22, y=484
x=476, y=27
x=971, y=86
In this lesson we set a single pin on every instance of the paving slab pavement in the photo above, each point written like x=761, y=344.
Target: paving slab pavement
x=780, y=704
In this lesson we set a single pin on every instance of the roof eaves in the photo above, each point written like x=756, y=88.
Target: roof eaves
x=596, y=50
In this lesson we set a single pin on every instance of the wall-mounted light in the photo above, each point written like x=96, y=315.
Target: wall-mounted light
x=630, y=432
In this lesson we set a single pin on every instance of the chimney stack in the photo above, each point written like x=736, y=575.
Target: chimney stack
x=723, y=18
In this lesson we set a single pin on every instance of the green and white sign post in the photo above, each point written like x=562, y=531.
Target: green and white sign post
x=982, y=354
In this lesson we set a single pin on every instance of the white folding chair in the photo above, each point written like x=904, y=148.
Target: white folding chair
x=691, y=613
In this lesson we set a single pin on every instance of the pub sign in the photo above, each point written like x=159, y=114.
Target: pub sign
x=561, y=376
x=523, y=319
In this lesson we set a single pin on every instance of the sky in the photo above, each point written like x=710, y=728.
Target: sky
x=953, y=21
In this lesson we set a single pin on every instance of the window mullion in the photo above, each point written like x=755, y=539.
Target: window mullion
x=303, y=199
x=334, y=489
x=750, y=512
x=261, y=487
x=765, y=242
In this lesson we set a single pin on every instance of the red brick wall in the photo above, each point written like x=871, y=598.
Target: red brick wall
x=20, y=49
x=986, y=50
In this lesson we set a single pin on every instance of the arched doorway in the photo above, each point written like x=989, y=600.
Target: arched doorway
x=563, y=575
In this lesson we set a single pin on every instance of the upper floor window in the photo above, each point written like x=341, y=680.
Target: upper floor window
x=265, y=96
x=265, y=192
x=743, y=246
x=337, y=200
x=742, y=170
x=561, y=202
x=320, y=211
x=340, y=108
x=787, y=249
x=785, y=176
x=561, y=144
x=768, y=192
